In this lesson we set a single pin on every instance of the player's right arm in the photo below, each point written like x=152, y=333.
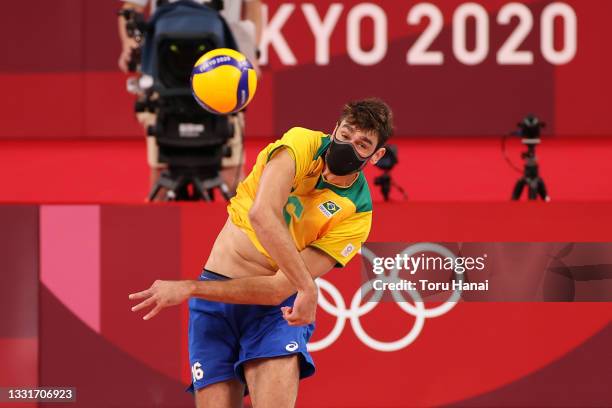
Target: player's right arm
x=263, y=290
x=266, y=217
x=257, y=290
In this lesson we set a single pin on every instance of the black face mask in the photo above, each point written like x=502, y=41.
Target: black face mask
x=342, y=159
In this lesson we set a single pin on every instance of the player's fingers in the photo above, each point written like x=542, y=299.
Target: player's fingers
x=153, y=312
x=297, y=322
x=294, y=319
x=289, y=314
x=144, y=304
x=294, y=313
x=140, y=295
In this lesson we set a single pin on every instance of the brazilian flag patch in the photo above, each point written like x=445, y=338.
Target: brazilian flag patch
x=329, y=208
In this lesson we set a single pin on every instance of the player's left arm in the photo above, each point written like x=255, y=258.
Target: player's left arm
x=266, y=217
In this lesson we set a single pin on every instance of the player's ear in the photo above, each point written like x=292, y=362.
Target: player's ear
x=378, y=155
x=335, y=128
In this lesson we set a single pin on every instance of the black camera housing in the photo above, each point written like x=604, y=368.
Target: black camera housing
x=192, y=141
x=530, y=129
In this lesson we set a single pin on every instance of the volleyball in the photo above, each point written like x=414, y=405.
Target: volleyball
x=223, y=81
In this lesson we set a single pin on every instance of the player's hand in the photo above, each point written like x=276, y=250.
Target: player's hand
x=303, y=310
x=162, y=294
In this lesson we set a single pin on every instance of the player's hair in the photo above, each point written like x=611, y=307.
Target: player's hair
x=370, y=115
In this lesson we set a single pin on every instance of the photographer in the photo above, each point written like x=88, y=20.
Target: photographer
x=128, y=44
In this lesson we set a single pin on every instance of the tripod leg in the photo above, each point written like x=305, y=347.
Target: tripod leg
x=175, y=189
x=542, y=190
x=532, y=189
x=200, y=190
x=225, y=192
x=518, y=189
x=154, y=191
x=197, y=188
x=400, y=189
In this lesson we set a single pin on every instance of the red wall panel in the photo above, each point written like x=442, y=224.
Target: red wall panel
x=42, y=105
x=19, y=271
x=139, y=245
x=19, y=303
x=454, y=98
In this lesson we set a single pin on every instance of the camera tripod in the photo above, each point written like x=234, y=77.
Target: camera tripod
x=531, y=178
x=188, y=186
x=386, y=183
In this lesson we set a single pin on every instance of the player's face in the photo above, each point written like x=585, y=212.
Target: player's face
x=363, y=143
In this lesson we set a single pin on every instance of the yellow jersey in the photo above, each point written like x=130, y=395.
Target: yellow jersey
x=332, y=218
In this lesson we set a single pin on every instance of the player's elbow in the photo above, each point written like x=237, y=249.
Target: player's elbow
x=260, y=217
x=255, y=217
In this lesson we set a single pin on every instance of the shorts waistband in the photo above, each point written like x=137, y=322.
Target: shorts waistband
x=210, y=275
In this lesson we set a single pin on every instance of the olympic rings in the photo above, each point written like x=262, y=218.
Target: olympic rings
x=356, y=310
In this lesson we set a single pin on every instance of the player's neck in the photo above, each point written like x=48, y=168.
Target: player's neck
x=342, y=181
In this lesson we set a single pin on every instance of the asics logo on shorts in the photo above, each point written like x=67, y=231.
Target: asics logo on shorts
x=292, y=346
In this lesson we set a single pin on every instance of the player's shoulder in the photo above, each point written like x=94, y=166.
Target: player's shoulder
x=304, y=132
x=314, y=142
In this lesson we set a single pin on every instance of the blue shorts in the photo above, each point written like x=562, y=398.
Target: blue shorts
x=223, y=336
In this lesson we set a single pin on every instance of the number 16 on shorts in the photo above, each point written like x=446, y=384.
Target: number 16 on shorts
x=196, y=371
